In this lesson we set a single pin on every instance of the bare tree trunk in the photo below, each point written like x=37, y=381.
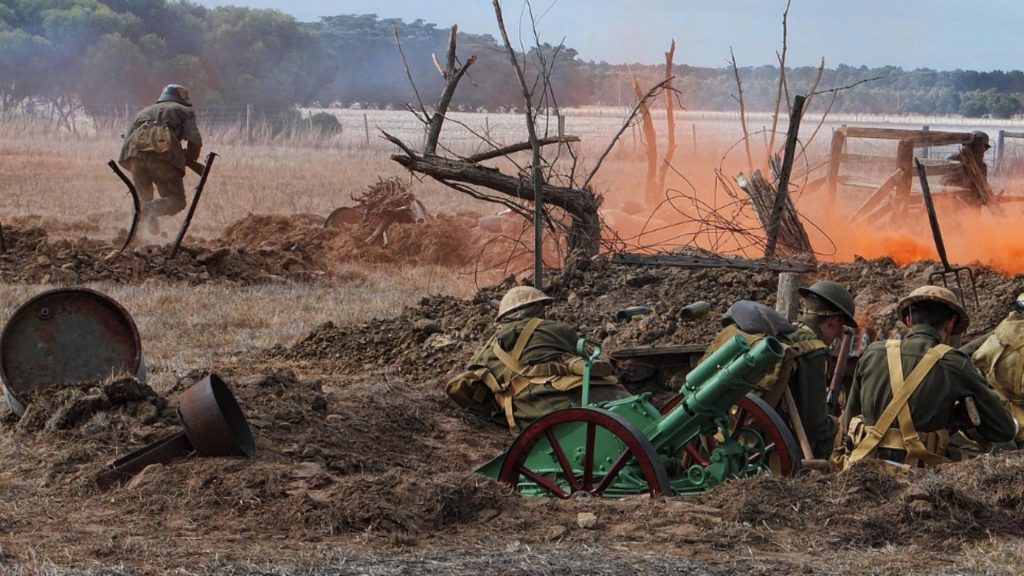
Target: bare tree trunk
x=581, y=205
x=782, y=80
x=650, y=148
x=743, y=113
x=670, y=119
x=538, y=175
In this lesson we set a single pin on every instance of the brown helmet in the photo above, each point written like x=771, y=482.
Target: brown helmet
x=521, y=297
x=940, y=295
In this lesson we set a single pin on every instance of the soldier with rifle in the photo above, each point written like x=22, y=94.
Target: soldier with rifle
x=153, y=154
x=800, y=382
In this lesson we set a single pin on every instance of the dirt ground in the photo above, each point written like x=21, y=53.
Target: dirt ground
x=364, y=466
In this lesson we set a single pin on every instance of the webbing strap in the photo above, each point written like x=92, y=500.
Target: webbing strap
x=511, y=361
x=898, y=407
x=513, y=385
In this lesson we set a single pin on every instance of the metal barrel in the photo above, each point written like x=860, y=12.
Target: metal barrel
x=64, y=336
x=716, y=394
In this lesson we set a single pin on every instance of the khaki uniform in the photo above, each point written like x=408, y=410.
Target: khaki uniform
x=952, y=378
x=544, y=376
x=161, y=161
x=805, y=370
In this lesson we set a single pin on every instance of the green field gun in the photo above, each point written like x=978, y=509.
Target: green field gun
x=712, y=431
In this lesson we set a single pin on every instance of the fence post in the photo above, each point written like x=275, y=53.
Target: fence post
x=924, y=150
x=1000, y=143
x=366, y=128
x=561, y=131
x=248, y=123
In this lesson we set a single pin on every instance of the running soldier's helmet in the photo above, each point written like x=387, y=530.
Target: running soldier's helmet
x=175, y=93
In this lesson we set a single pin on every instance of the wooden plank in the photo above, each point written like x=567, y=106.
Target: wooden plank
x=834, y=163
x=876, y=198
x=899, y=134
x=1013, y=134
x=871, y=160
x=688, y=261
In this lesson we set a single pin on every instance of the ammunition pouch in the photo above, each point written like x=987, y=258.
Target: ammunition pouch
x=150, y=137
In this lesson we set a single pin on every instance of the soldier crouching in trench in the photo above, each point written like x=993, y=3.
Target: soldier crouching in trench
x=153, y=154
x=905, y=393
x=530, y=367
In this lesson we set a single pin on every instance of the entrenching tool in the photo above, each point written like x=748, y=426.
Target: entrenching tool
x=212, y=425
x=627, y=446
x=195, y=202
x=136, y=204
x=947, y=271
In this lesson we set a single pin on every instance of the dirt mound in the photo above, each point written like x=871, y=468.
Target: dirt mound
x=870, y=507
x=32, y=258
x=93, y=406
x=439, y=334
x=256, y=249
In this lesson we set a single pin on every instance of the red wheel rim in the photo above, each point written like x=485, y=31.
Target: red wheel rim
x=637, y=447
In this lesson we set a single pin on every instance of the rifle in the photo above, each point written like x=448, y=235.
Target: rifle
x=195, y=166
x=837, y=375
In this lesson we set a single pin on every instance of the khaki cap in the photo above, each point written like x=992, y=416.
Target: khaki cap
x=521, y=297
x=938, y=294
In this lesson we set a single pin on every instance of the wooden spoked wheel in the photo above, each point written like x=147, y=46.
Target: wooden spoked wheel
x=757, y=426
x=581, y=452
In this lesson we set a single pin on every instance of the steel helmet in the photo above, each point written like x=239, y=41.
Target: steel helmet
x=940, y=295
x=175, y=93
x=521, y=297
x=836, y=295
x=980, y=138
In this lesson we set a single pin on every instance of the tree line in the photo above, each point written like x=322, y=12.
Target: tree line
x=82, y=53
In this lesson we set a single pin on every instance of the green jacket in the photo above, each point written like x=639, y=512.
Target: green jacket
x=182, y=123
x=931, y=405
x=809, y=384
x=550, y=340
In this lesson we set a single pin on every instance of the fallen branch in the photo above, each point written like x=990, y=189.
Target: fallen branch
x=520, y=147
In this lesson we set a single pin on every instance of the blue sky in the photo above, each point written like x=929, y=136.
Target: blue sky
x=939, y=34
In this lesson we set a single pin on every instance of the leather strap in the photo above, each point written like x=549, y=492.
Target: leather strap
x=899, y=408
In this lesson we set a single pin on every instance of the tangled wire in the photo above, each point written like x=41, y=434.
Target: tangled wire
x=383, y=196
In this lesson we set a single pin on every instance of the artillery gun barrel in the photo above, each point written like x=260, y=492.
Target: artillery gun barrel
x=714, y=390
x=715, y=362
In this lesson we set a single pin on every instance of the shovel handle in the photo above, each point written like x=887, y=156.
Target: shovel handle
x=160, y=452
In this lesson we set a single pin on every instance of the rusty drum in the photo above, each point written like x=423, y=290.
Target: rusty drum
x=65, y=336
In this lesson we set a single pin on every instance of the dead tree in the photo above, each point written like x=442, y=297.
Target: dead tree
x=670, y=118
x=466, y=175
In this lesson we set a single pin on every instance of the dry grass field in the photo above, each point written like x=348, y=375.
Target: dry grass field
x=364, y=466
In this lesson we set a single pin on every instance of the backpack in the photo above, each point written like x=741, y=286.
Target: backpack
x=1001, y=359
x=752, y=321
x=523, y=393
x=150, y=136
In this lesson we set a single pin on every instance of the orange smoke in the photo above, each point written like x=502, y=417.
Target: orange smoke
x=969, y=236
